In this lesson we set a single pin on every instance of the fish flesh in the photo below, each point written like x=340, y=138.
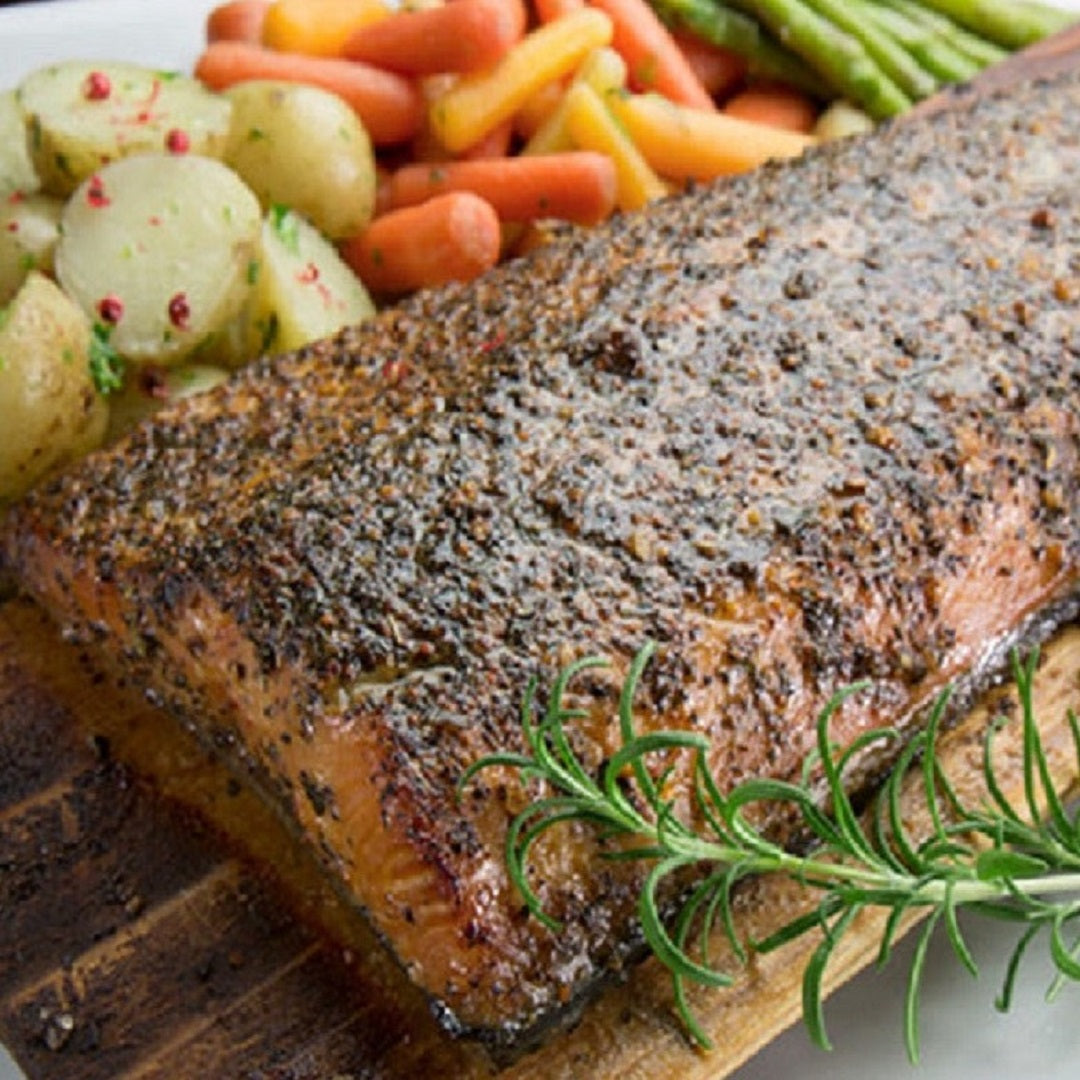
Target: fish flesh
x=809, y=426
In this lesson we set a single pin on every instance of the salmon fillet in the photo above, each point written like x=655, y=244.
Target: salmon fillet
x=818, y=424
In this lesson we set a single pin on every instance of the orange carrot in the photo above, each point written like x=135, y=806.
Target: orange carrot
x=546, y=10
x=382, y=188
x=654, y=60
x=389, y=106
x=578, y=186
x=427, y=148
x=452, y=237
x=495, y=144
x=776, y=105
x=720, y=70
x=318, y=27
x=467, y=35
x=237, y=20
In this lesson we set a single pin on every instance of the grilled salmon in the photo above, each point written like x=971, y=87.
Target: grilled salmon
x=814, y=425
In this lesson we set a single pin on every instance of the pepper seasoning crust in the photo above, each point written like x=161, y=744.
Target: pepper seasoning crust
x=816, y=424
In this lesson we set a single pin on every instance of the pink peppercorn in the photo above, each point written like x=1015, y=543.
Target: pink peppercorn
x=177, y=141
x=179, y=311
x=95, y=193
x=111, y=309
x=97, y=86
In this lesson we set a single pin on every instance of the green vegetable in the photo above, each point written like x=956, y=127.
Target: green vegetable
x=1011, y=24
x=888, y=53
x=720, y=25
x=882, y=55
x=976, y=48
x=106, y=365
x=996, y=859
x=933, y=51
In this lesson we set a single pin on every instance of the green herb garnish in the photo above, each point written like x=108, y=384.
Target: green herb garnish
x=286, y=229
x=106, y=364
x=996, y=859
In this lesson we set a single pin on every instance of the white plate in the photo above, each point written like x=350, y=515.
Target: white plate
x=964, y=1038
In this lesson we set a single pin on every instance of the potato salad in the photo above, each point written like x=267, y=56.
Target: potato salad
x=155, y=234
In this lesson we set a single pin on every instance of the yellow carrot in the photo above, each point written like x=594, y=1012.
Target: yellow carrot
x=605, y=71
x=466, y=113
x=318, y=27
x=592, y=127
x=682, y=143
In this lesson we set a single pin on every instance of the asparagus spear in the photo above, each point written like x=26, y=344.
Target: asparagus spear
x=893, y=59
x=720, y=25
x=976, y=48
x=932, y=51
x=1009, y=23
x=842, y=59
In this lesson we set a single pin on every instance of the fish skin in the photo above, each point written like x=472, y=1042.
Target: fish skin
x=810, y=426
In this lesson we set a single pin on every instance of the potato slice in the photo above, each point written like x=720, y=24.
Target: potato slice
x=29, y=229
x=52, y=413
x=160, y=248
x=149, y=388
x=81, y=115
x=16, y=169
x=303, y=147
x=304, y=290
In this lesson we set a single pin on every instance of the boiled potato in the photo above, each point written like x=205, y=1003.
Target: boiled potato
x=842, y=120
x=150, y=388
x=304, y=148
x=16, y=169
x=304, y=290
x=160, y=248
x=29, y=228
x=81, y=115
x=50, y=411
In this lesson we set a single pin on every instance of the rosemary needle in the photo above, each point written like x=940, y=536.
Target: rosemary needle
x=1002, y=861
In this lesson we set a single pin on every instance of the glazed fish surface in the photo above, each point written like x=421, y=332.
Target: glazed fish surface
x=815, y=425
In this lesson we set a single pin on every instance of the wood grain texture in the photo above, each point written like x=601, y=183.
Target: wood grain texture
x=138, y=942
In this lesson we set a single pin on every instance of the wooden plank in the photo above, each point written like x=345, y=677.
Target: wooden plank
x=212, y=974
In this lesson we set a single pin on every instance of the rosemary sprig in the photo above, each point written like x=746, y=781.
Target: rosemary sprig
x=1017, y=864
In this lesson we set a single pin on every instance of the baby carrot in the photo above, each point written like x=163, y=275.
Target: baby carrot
x=389, y=106
x=547, y=10
x=467, y=35
x=689, y=144
x=719, y=70
x=318, y=27
x=237, y=20
x=576, y=186
x=774, y=104
x=654, y=60
x=482, y=101
x=592, y=127
x=452, y=237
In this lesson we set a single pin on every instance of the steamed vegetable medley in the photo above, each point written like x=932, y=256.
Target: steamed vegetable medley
x=157, y=230
x=154, y=234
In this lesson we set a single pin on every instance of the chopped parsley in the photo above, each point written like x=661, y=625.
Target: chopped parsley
x=106, y=364
x=286, y=228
